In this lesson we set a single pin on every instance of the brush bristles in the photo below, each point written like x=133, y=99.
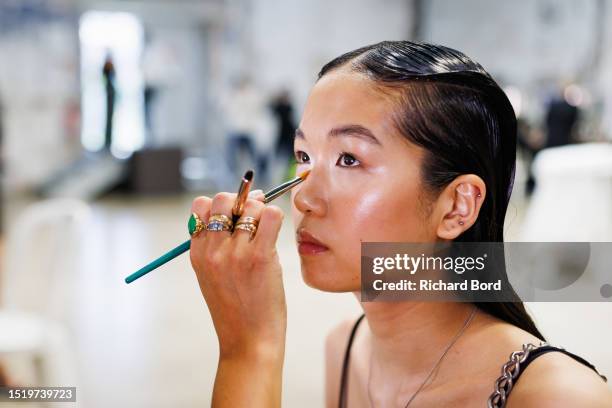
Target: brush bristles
x=304, y=174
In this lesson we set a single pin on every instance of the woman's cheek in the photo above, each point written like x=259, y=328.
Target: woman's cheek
x=368, y=204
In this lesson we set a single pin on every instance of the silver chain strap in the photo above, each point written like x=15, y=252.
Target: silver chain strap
x=510, y=371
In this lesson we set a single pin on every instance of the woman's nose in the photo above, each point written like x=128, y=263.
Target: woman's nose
x=310, y=195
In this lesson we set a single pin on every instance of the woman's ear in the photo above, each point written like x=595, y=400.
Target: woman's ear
x=459, y=205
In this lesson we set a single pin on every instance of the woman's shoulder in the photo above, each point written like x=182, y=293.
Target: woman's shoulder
x=552, y=379
x=549, y=378
x=557, y=380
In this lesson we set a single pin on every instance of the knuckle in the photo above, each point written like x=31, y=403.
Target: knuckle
x=234, y=258
x=214, y=260
x=217, y=197
x=274, y=213
x=200, y=203
x=222, y=197
x=264, y=259
x=253, y=206
x=259, y=258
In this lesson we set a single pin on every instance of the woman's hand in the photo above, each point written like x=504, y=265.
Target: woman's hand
x=241, y=281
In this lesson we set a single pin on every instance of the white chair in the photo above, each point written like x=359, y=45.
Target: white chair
x=41, y=251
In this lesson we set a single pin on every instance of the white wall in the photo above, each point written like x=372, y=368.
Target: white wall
x=531, y=44
x=521, y=40
x=38, y=85
x=293, y=39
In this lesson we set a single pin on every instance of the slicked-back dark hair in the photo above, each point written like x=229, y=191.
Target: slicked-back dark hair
x=450, y=106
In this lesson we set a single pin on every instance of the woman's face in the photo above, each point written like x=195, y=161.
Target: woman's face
x=364, y=183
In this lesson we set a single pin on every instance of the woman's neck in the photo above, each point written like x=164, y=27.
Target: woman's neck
x=407, y=338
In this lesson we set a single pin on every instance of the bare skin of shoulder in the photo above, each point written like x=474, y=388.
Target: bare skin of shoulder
x=465, y=377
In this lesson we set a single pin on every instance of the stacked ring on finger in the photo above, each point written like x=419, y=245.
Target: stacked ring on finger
x=219, y=222
x=247, y=224
x=195, y=225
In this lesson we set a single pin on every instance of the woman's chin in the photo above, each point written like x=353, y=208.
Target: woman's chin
x=326, y=281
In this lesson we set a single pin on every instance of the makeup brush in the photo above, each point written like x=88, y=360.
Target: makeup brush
x=286, y=186
x=245, y=184
x=241, y=197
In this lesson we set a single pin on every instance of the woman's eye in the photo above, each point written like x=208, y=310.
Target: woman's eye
x=301, y=157
x=347, y=160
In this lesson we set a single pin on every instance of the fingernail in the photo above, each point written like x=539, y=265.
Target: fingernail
x=255, y=192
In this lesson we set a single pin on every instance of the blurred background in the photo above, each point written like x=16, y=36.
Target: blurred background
x=114, y=114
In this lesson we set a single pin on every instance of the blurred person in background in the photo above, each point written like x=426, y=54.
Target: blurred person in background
x=561, y=118
x=244, y=109
x=529, y=148
x=108, y=74
x=283, y=111
x=405, y=142
x=150, y=86
x=149, y=96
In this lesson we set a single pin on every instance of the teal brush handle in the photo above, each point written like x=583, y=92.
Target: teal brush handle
x=168, y=256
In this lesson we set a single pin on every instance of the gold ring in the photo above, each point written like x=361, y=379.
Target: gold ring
x=219, y=222
x=195, y=225
x=247, y=226
x=247, y=220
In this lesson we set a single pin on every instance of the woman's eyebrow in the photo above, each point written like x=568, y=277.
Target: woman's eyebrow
x=347, y=130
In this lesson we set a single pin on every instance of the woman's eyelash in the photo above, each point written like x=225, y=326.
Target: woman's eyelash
x=299, y=157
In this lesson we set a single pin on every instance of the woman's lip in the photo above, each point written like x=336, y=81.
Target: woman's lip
x=308, y=244
x=308, y=248
x=304, y=237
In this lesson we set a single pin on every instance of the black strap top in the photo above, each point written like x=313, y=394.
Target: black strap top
x=532, y=356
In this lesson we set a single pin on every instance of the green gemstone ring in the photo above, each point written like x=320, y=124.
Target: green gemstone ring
x=195, y=225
